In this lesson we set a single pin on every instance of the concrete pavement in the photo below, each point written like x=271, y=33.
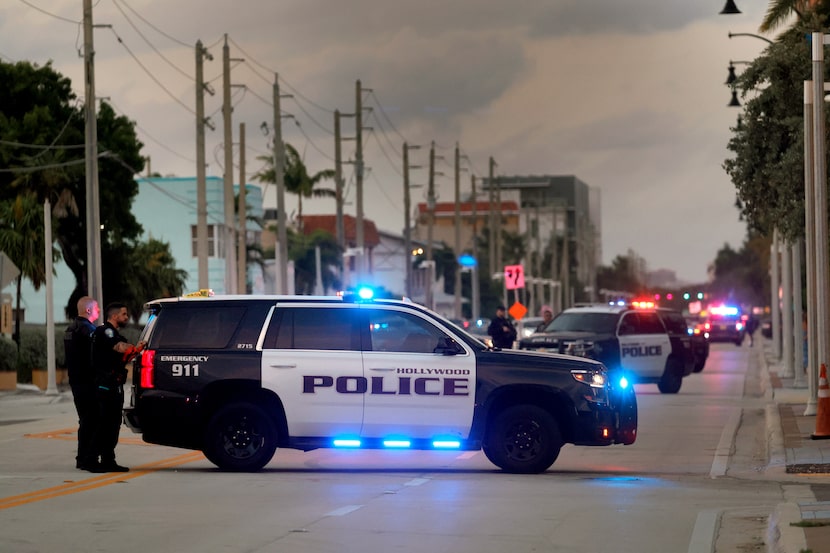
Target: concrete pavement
x=798, y=525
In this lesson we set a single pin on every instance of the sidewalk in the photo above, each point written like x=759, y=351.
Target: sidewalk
x=791, y=447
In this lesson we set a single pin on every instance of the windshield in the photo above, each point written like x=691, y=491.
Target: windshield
x=600, y=323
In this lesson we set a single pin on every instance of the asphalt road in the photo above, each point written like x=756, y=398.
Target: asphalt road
x=669, y=491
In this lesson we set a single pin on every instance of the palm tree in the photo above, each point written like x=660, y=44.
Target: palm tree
x=779, y=11
x=296, y=178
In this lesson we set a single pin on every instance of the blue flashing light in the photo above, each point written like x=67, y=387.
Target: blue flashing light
x=397, y=443
x=346, y=442
x=624, y=383
x=467, y=260
x=365, y=293
x=446, y=444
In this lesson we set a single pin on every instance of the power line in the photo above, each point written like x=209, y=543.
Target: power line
x=164, y=88
x=394, y=202
x=383, y=151
x=52, y=165
x=386, y=116
x=159, y=31
x=151, y=45
x=308, y=138
x=50, y=14
x=383, y=131
x=154, y=139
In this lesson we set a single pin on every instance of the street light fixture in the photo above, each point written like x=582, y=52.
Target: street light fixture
x=730, y=8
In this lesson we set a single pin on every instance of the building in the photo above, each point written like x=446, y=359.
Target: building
x=166, y=208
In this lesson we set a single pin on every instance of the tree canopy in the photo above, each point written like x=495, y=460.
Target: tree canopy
x=42, y=157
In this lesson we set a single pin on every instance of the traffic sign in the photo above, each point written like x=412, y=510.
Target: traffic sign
x=514, y=277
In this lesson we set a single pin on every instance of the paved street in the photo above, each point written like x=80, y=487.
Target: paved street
x=708, y=473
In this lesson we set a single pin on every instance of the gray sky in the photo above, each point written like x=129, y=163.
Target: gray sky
x=627, y=95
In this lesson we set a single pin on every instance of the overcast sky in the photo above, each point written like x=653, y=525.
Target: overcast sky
x=627, y=95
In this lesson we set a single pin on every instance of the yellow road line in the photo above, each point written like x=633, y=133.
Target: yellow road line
x=72, y=434
x=97, y=481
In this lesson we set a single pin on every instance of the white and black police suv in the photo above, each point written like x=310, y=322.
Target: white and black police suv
x=622, y=337
x=238, y=376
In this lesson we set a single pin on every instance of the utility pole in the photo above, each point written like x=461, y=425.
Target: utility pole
x=359, y=238
x=201, y=180
x=475, y=284
x=491, y=196
x=229, y=234
x=93, y=206
x=498, y=221
x=242, y=211
x=430, y=224
x=457, y=222
x=407, y=225
x=281, y=248
x=338, y=182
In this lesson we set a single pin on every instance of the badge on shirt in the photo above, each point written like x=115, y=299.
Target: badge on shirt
x=109, y=333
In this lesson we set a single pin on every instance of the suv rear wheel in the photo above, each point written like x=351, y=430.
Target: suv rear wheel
x=240, y=437
x=523, y=439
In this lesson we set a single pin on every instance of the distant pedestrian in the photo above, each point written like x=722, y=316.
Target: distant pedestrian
x=109, y=348
x=547, y=317
x=501, y=330
x=77, y=343
x=751, y=326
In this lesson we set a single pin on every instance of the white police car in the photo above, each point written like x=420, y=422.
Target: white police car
x=239, y=376
x=621, y=337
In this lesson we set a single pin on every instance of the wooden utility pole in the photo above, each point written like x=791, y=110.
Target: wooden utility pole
x=457, y=222
x=430, y=225
x=93, y=213
x=407, y=225
x=359, y=238
x=242, y=215
x=492, y=239
x=201, y=179
x=338, y=182
x=281, y=247
x=229, y=234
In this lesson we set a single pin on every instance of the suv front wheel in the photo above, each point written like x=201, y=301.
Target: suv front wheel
x=672, y=377
x=240, y=437
x=523, y=439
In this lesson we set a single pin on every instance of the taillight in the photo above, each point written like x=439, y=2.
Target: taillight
x=148, y=357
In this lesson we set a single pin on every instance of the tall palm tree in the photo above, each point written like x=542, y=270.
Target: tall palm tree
x=296, y=178
x=779, y=11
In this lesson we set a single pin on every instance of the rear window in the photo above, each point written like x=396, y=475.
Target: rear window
x=313, y=328
x=601, y=323
x=195, y=327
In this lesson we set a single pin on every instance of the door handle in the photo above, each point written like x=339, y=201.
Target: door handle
x=283, y=366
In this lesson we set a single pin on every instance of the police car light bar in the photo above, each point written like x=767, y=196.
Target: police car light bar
x=340, y=442
x=397, y=443
x=724, y=310
x=446, y=444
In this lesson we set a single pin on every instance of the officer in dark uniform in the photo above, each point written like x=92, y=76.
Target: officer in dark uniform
x=110, y=352
x=77, y=343
x=501, y=330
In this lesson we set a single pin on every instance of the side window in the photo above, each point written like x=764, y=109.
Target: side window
x=628, y=325
x=197, y=327
x=650, y=324
x=393, y=331
x=317, y=328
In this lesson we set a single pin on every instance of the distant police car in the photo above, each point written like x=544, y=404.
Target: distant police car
x=239, y=376
x=621, y=337
x=725, y=323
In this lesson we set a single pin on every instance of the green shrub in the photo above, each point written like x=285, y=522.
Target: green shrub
x=8, y=355
x=33, y=352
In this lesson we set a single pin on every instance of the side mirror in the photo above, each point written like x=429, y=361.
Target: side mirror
x=448, y=346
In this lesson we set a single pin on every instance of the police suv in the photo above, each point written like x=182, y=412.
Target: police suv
x=622, y=337
x=238, y=376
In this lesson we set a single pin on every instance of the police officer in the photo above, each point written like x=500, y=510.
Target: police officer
x=109, y=349
x=77, y=341
x=501, y=330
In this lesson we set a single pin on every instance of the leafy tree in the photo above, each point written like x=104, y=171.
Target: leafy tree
x=302, y=252
x=42, y=156
x=296, y=178
x=619, y=276
x=741, y=276
x=780, y=11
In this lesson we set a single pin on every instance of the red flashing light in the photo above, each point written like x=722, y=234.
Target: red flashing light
x=148, y=372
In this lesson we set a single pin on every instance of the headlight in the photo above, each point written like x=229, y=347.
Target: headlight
x=593, y=378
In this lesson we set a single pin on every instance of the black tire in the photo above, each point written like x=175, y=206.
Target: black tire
x=700, y=362
x=672, y=378
x=240, y=437
x=523, y=439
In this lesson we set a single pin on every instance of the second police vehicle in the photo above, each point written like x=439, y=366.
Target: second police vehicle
x=239, y=376
x=622, y=337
